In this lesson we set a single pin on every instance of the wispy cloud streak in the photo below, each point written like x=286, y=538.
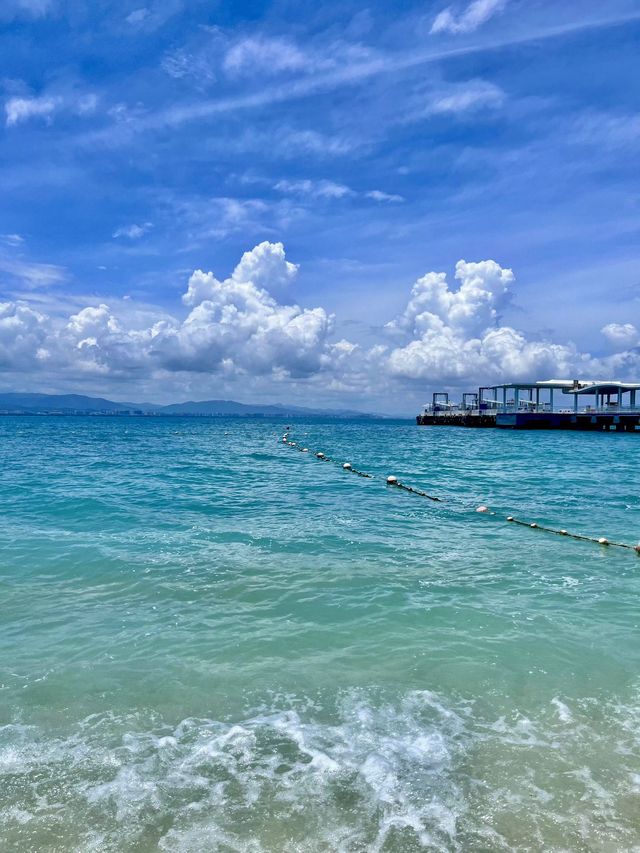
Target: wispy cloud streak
x=349, y=75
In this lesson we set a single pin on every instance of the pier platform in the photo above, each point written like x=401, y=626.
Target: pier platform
x=612, y=407
x=535, y=420
x=463, y=419
x=566, y=420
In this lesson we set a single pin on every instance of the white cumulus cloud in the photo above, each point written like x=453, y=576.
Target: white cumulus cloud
x=235, y=326
x=238, y=321
x=21, y=109
x=133, y=232
x=23, y=332
x=265, y=267
x=245, y=327
x=621, y=334
x=476, y=13
x=455, y=334
x=331, y=190
x=465, y=97
x=12, y=240
x=263, y=55
x=379, y=195
x=482, y=293
x=137, y=16
x=315, y=189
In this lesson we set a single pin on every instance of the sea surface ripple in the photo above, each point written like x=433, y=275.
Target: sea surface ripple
x=210, y=641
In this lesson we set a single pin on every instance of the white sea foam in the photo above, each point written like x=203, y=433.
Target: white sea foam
x=564, y=714
x=366, y=776
x=418, y=773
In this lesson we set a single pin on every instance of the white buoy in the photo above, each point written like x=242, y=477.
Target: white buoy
x=533, y=524
x=320, y=455
x=603, y=541
x=483, y=508
x=347, y=466
x=305, y=449
x=563, y=533
x=510, y=518
x=637, y=548
x=391, y=480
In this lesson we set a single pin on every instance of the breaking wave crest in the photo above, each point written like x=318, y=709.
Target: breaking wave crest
x=278, y=780
x=368, y=775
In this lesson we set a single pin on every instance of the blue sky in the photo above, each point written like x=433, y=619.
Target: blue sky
x=360, y=148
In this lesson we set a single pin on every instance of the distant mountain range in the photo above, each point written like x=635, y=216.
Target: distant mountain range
x=78, y=404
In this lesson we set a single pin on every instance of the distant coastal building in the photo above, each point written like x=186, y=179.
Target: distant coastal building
x=603, y=405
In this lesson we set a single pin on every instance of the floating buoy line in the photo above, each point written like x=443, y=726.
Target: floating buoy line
x=393, y=482
x=347, y=466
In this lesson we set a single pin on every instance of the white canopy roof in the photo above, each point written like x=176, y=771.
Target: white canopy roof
x=576, y=386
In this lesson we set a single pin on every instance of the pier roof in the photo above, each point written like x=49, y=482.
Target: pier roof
x=604, y=387
x=574, y=386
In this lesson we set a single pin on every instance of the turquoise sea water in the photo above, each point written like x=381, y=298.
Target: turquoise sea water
x=212, y=642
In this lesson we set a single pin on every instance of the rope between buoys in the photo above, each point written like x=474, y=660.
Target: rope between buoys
x=602, y=540
x=393, y=481
x=347, y=466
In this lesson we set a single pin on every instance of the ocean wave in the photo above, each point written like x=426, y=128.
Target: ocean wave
x=373, y=778
x=420, y=773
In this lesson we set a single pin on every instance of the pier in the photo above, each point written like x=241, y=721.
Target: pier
x=569, y=404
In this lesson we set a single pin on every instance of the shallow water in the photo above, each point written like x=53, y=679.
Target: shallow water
x=209, y=641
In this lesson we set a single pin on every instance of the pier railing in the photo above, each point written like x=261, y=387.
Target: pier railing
x=511, y=408
x=607, y=409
